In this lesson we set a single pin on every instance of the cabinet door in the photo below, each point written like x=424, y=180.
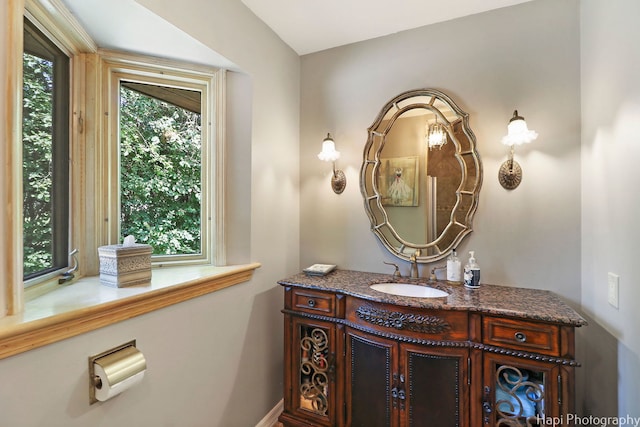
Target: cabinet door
x=371, y=380
x=312, y=372
x=522, y=393
x=436, y=387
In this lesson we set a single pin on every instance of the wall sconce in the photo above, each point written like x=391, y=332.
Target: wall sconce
x=510, y=173
x=329, y=154
x=436, y=135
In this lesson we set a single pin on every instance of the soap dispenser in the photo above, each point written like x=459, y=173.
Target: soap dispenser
x=472, y=272
x=454, y=268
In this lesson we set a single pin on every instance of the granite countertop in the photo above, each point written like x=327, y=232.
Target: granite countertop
x=534, y=304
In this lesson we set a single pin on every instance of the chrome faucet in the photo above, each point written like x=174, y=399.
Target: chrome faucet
x=414, y=264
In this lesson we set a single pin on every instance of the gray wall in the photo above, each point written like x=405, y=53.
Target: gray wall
x=610, y=204
x=524, y=57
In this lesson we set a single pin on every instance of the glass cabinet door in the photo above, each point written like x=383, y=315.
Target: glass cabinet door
x=313, y=370
x=519, y=393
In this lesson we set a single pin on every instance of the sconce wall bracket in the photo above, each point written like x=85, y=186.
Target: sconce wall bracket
x=510, y=174
x=338, y=181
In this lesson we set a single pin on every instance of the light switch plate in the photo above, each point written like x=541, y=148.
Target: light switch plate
x=613, y=292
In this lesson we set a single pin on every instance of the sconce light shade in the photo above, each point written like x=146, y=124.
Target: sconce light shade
x=517, y=131
x=510, y=173
x=330, y=154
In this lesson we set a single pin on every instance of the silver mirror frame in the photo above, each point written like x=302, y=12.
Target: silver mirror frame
x=460, y=223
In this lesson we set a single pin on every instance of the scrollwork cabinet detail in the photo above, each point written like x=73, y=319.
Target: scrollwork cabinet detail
x=314, y=369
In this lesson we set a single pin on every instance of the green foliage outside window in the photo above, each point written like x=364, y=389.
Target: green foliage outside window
x=160, y=174
x=37, y=163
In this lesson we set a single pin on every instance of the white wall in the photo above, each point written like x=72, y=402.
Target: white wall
x=217, y=360
x=524, y=57
x=610, y=203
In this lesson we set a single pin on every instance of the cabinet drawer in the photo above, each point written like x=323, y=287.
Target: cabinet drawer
x=521, y=335
x=314, y=302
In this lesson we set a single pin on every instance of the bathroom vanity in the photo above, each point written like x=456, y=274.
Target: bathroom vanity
x=355, y=356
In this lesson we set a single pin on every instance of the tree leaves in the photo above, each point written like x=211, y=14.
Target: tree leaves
x=37, y=163
x=160, y=174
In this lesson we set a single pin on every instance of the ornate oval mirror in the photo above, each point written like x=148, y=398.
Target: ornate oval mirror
x=421, y=175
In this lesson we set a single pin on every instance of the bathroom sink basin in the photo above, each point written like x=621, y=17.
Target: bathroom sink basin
x=409, y=290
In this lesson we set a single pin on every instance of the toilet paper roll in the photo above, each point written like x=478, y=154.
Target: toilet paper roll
x=117, y=372
x=107, y=390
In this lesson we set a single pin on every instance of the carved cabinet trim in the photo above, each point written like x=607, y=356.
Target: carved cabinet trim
x=402, y=321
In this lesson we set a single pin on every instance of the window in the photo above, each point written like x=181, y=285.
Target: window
x=163, y=157
x=45, y=154
x=72, y=164
x=152, y=168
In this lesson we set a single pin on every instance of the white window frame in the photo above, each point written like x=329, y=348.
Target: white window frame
x=118, y=67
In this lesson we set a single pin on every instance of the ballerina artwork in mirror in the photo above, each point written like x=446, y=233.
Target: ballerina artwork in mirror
x=421, y=175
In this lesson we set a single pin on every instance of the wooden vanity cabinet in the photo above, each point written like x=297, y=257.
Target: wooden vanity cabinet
x=357, y=363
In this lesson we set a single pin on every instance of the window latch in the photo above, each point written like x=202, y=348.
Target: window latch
x=68, y=275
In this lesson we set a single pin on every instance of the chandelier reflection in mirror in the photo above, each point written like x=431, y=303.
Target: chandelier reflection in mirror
x=436, y=135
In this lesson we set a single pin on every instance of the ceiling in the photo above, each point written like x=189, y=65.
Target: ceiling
x=307, y=26
x=313, y=25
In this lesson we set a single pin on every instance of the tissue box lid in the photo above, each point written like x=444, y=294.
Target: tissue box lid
x=120, y=250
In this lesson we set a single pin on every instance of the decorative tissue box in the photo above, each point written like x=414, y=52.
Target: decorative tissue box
x=125, y=265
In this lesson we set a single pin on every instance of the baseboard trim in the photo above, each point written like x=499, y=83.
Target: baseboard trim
x=271, y=418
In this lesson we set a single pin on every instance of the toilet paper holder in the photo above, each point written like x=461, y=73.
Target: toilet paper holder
x=114, y=371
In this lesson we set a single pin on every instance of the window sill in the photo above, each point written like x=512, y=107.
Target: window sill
x=86, y=305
